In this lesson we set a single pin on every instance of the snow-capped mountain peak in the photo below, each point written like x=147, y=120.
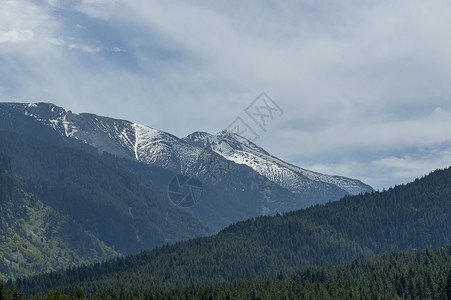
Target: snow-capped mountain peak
x=241, y=151
x=201, y=154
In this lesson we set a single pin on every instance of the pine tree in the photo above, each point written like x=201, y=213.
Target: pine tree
x=448, y=285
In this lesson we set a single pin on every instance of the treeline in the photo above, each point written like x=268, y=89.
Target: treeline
x=407, y=217
x=424, y=274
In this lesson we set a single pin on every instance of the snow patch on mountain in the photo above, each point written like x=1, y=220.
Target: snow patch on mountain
x=148, y=143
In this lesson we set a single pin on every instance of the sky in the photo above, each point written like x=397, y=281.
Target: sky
x=362, y=87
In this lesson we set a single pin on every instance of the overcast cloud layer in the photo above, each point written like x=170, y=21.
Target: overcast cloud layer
x=364, y=85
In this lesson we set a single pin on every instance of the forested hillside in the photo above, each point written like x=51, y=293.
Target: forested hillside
x=70, y=206
x=407, y=217
x=424, y=274
x=36, y=238
x=110, y=201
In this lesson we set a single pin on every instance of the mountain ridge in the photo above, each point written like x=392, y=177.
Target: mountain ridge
x=185, y=155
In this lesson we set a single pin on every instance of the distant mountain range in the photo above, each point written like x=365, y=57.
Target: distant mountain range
x=194, y=155
x=111, y=179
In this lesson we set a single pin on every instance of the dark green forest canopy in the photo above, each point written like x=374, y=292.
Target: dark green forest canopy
x=424, y=274
x=408, y=217
x=109, y=200
x=36, y=238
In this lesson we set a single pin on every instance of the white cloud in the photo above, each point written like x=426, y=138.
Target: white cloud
x=96, y=8
x=14, y=36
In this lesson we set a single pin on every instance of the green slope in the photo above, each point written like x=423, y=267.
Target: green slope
x=425, y=274
x=110, y=201
x=69, y=192
x=36, y=238
x=407, y=217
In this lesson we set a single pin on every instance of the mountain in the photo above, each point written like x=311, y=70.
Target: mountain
x=239, y=179
x=407, y=217
x=227, y=200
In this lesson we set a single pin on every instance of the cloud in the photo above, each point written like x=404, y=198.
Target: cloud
x=20, y=22
x=91, y=49
x=364, y=85
x=381, y=152
x=14, y=36
x=388, y=171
